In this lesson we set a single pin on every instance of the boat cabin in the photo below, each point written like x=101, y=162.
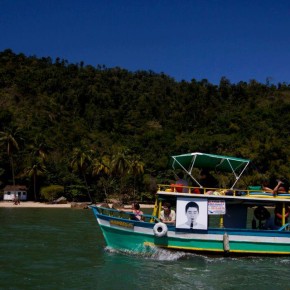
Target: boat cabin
x=204, y=211
x=229, y=208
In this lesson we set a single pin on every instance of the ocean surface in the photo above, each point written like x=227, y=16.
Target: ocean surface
x=64, y=249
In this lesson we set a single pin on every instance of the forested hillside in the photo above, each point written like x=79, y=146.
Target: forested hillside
x=97, y=131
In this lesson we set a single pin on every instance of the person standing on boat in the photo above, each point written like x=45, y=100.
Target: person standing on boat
x=167, y=215
x=192, y=213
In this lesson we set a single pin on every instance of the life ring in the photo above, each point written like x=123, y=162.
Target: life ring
x=160, y=230
x=278, y=212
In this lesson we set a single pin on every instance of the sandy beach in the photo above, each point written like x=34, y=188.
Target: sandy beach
x=32, y=204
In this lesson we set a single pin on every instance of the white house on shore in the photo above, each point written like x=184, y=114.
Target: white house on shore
x=12, y=192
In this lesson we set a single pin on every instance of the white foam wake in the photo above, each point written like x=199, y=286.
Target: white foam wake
x=154, y=253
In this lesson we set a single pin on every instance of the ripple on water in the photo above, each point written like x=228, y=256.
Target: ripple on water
x=64, y=249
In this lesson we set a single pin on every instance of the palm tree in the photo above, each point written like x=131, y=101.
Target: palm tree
x=39, y=149
x=81, y=161
x=120, y=165
x=101, y=166
x=9, y=138
x=36, y=169
x=136, y=168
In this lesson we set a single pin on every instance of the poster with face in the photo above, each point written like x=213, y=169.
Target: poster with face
x=191, y=213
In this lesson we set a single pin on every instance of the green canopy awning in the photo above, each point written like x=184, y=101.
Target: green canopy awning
x=218, y=163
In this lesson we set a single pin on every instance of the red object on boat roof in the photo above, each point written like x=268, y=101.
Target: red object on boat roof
x=177, y=187
x=196, y=190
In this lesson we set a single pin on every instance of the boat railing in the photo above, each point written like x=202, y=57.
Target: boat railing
x=126, y=214
x=177, y=188
x=286, y=227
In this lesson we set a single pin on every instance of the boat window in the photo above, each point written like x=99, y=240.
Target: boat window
x=236, y=216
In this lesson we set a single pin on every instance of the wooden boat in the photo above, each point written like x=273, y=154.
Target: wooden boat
x=230, y=221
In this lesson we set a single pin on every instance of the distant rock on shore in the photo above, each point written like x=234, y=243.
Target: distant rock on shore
x=80, y=205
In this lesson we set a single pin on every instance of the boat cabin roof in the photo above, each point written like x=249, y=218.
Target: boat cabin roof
x=263, y=198
x=208, y=161
x=187, y=162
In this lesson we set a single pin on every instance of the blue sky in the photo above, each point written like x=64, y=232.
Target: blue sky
x=185, y=39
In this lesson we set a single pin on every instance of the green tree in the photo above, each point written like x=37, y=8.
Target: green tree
x=39, y=149
x=9, y=138
x=36, y=169
x=120, y=163
x=51, y=192
x=107, y=184
x=136, y=167
x=101, y=166
x=120, y=166
x=81, y=161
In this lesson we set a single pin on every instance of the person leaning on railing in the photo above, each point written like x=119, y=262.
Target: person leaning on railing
x=167, y=215
x=136, y=211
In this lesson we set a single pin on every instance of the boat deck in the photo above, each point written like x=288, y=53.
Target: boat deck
x=217, y=193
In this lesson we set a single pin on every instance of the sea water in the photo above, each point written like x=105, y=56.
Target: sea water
x=64, y=249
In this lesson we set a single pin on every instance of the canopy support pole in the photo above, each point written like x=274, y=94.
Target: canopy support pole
x=188, y=172
x=237, y=176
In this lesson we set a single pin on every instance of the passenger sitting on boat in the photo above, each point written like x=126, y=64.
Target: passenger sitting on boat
x=192, y=213
x=182, y=182
x=137, y=213
x=207, y=180
x=167, y=215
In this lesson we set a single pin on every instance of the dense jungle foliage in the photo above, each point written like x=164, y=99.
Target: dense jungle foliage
x=99, y=131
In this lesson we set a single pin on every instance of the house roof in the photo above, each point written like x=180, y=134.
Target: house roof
x=15, y=188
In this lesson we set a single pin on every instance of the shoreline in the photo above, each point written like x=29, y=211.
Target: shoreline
x=33, y=204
